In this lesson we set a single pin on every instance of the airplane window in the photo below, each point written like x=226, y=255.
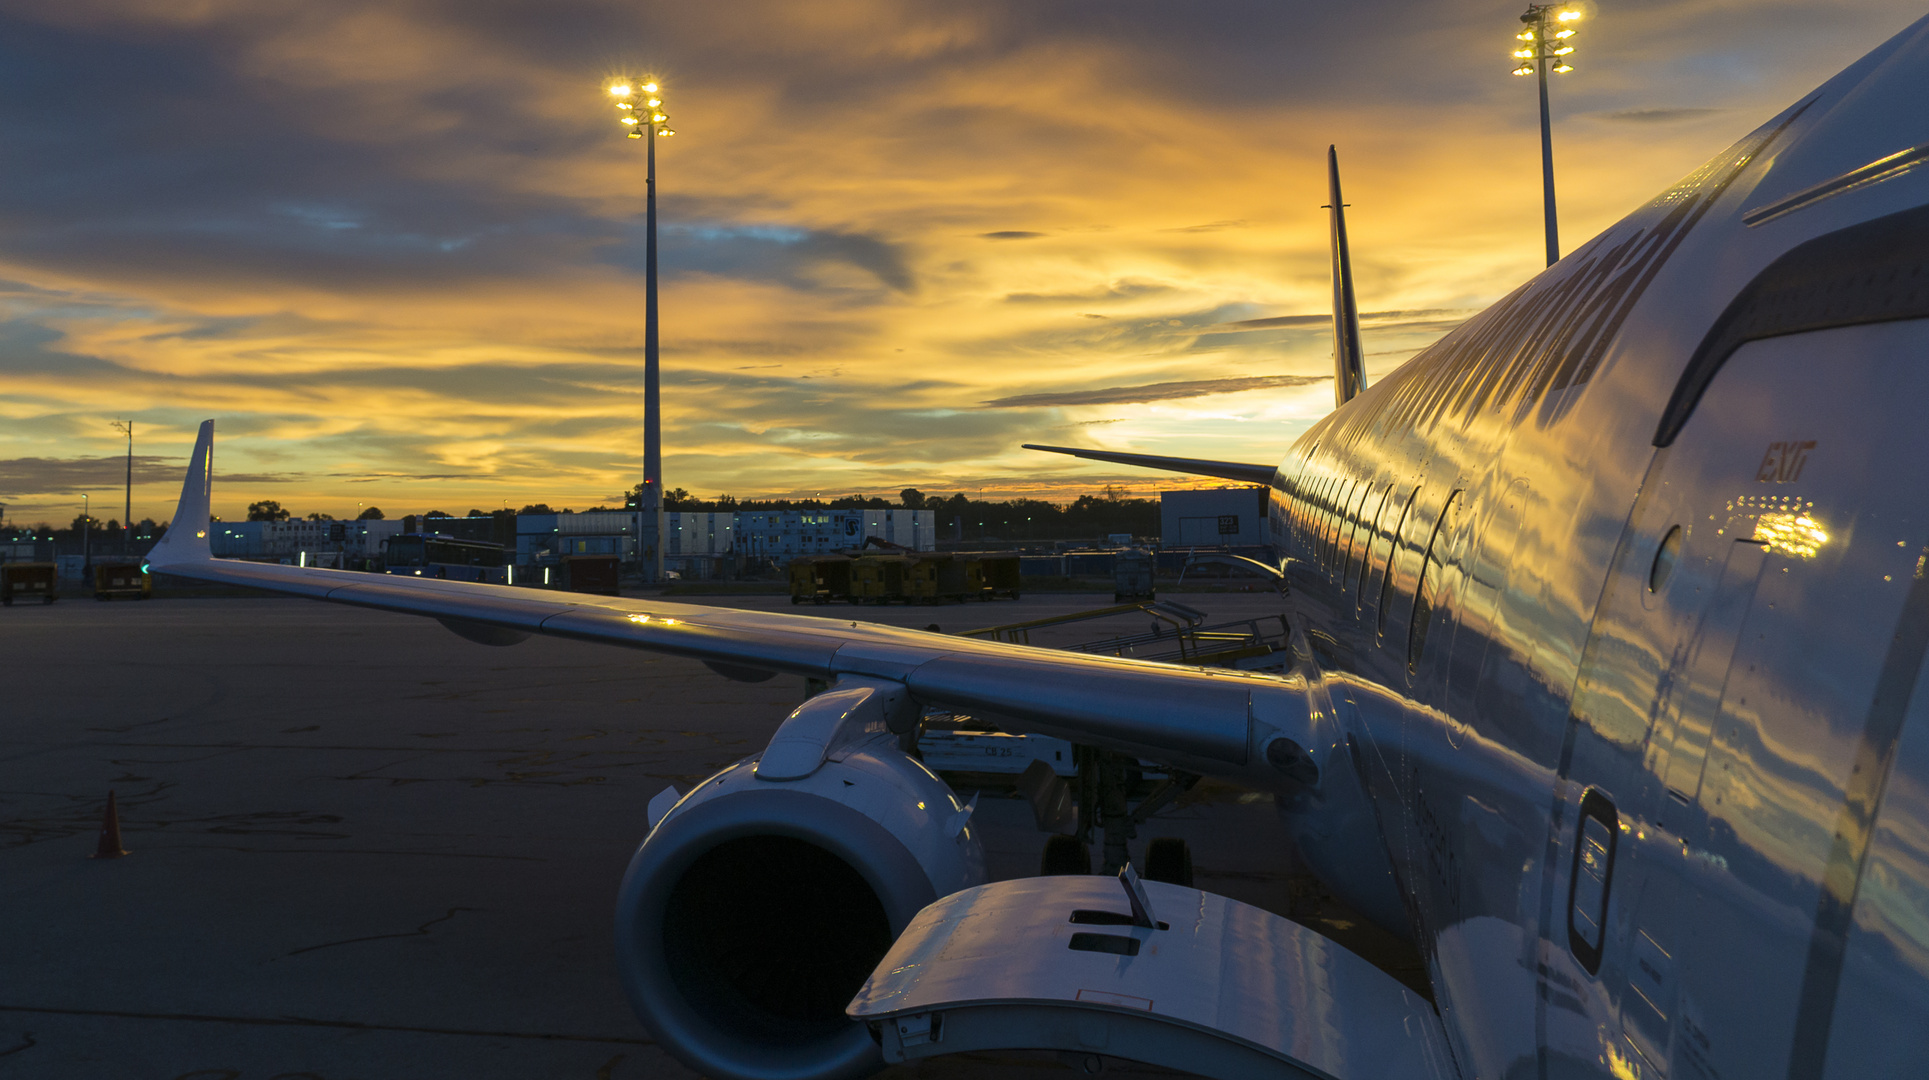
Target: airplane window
x=1353, y=534
x=1371, y=528
x=1339, y=522
x=1429, y=579
x=1392, y=554
x=1664, y=560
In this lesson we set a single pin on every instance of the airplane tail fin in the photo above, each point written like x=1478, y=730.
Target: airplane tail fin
x=187, y=533
x=1349, y=361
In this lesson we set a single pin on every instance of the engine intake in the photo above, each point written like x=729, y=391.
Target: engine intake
x=757, y=907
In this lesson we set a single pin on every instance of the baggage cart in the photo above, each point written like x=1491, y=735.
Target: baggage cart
x=28, y=581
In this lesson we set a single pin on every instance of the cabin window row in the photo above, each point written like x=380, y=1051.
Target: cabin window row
x=1363, y=536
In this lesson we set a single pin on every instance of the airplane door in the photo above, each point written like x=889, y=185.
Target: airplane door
x=1715, y=759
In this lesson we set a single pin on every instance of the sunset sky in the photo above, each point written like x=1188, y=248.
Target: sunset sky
x=395, y=248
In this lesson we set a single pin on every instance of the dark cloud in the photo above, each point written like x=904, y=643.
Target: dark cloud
x=1166, y=391
x=1210, y=226
x=1124, y=290
x=791, y=256
x=41, y=476
x=1385, y=318
x=1657, y=116
x=1011, y=234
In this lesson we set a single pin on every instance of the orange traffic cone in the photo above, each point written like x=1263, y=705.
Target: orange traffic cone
x=110, y=832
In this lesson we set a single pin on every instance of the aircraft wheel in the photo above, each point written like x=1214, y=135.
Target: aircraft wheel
x=1169, y=859
x=1064, y=855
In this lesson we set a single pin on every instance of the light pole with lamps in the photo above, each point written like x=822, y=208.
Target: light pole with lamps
x=127, y=511
x=640, y=109
x=1549, y=26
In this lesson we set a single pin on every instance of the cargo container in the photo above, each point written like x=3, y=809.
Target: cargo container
x=28, y=581
x=820, y=578
x=999, y=574
x=121, y=579
x=878, y=579
x=1132, y=575
x=935, y=578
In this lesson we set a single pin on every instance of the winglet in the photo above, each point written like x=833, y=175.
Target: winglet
x=1349, y=362
x=187, y=533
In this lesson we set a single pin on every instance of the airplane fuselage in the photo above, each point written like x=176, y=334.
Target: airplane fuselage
x=1633, y=707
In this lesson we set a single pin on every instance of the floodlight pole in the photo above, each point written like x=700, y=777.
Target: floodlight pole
x=1544, y=50
x=127, y=510
x=1539, y=14
x=648, y=122
x=650, y=512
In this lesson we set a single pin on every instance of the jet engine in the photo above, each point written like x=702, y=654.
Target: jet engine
x=761, y=900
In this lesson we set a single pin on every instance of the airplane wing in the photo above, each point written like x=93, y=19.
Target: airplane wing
x=1217, y=722
x=1224, y=470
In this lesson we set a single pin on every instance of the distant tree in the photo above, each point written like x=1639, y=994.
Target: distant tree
x=478, y=513
x=912, y=498
x=317, y=515
x=1113, y=493
x=266, y=510
x=676, y=499
x=437, y=514
x=536, y=508
x=373, y=513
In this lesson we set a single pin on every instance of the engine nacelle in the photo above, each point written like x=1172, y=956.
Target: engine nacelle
x=764, y=898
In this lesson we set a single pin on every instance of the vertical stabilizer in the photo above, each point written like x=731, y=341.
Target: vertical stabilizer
x=187, y=533
x=1349, y=362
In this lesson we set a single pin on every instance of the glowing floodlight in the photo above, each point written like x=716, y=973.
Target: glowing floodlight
x=1524, y=69
x=667, y=131
x=1563, y=68
x=1568, y=16
x=620, y=90
x=631, y=120
x=658, y=118
x=649, y=88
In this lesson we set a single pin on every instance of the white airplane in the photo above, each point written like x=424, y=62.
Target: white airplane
x=1608, y=613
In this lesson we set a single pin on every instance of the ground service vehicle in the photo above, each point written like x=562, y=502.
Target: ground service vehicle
x=437, y=556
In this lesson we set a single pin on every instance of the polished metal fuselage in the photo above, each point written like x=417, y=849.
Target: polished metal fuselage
x=1637, y=723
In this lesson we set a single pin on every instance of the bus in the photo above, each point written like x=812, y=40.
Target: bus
x=438, y=556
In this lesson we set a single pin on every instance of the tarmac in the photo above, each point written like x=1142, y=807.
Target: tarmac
x=362, y=847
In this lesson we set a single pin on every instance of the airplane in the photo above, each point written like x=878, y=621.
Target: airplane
x=1607, y=616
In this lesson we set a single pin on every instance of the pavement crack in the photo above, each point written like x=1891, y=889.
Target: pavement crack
x=420, y=931
x=304, y=1021
x=27, y=1043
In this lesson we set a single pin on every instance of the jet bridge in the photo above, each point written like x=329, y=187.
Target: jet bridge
x=1148, y=972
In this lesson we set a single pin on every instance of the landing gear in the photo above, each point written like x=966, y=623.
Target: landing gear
x=1102, y=792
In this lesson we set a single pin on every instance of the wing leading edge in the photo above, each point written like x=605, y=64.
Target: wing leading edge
x=1218, y=722
x=1224, y=470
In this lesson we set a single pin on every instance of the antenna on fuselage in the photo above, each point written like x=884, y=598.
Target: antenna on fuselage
x=1349, y=361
